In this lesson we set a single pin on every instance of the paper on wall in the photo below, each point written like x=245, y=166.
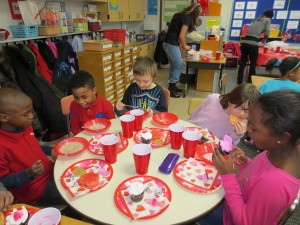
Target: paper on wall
x=29, y=10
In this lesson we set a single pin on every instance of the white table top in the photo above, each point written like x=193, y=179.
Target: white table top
x=99, y=205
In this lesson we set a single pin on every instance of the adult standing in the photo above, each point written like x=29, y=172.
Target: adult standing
x=249, y=46
x=181, y=23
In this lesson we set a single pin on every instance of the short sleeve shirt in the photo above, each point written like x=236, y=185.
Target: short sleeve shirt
x=177, y=22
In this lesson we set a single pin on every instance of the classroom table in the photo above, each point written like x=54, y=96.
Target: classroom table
x=64, y=219
x=99, y=205
x=213, y=64
x=263, y=58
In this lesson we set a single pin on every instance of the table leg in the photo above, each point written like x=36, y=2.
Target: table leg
x=220, y=78
x=185, y=80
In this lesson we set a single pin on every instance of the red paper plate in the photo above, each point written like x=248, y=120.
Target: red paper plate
x=205, y=152
x=160, y=137
x=97, y=125
x=210, y=136
x=165, y=118
x=30, y=210
x=86, y=176
x=146, y=114
x=197, y=176
x=157, y=197
x=95, y=146
x=71, y=146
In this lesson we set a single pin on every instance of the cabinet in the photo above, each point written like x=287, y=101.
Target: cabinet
x=111, y=69
x=122, y=10
x=136, y=9
x=147, y=49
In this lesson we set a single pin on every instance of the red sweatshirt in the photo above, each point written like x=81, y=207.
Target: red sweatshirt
x=18, y=151
x=100, y=108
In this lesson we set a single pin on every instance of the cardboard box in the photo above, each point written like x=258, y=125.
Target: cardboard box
x=48, y=30
x=97, y=45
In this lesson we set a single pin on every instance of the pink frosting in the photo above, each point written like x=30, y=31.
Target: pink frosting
x=226, y=143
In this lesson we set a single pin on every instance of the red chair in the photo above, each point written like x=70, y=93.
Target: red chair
x=65, y=103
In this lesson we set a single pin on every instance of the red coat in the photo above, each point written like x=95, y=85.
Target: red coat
x=100, y=108
x=18, y=151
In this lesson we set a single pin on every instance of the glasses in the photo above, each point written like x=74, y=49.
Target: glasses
x=241, y=108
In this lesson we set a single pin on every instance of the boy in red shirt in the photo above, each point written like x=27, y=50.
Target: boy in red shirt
x=88, y=104
x=25, y=169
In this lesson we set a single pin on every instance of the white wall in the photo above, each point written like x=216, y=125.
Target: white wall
x=138, y=26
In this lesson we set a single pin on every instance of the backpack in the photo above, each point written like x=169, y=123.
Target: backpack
x=232, y=53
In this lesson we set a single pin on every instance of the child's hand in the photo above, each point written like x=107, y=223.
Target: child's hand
x=150, y=112
x=53, y=155
x=240, y=128
x=6, y=198
x=120, y=106
x=36, y=169
x=224, y=166
x=238, y=156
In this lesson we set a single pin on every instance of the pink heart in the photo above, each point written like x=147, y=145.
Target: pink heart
x=151, y=211
x=194, y=163
x=135, y=215
x=198, y=171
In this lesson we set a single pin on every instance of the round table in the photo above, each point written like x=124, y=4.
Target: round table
x=100, y=206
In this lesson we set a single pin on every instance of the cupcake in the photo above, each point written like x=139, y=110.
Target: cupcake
x=146, y=137
x=225, y=145
x=136, y=191
x=17, y=217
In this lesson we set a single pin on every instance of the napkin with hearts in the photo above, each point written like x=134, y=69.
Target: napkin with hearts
x=153, y=202
x=198, y=173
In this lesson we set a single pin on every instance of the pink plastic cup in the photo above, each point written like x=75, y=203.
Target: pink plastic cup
x=141, y=155
x=266, y=50
x=190, y=142
x=218, y=55
x=139, y=117
x=109, y=146
x=127, y=122
x=277, y=49
x=176, y=131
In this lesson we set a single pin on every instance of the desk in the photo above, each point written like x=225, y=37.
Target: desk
x=64, y=219
x=100, y=206
x=205, y=66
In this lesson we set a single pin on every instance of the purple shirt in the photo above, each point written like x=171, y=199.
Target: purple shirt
x=212, y=116
x=259, y=194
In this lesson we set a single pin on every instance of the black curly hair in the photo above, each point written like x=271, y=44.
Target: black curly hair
x=82, y=79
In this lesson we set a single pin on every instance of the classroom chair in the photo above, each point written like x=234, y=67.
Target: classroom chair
x=292, y=213
x=258, y=80
x=167, y=94
x=223, y=83
x=65, y=103
x=193, y=104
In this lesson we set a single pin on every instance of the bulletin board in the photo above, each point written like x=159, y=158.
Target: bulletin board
x=173, y=6
x=286, y=14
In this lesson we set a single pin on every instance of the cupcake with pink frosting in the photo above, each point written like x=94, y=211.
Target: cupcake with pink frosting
x=225, y=145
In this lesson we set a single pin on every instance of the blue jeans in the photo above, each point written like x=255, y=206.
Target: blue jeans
x=174, y=56
x=214, y=218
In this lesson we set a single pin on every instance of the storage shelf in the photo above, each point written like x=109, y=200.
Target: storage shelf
x=41, y=37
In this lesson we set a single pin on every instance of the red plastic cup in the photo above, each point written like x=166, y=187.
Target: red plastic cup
x=141, y=155
x=277, y=49
x=127, y=122
x=176, y=131
x=190, y=142
x=218, y=55
x=266, y=50
x=109, y=146
x=139, y=117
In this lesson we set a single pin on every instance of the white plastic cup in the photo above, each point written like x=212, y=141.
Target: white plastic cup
x=46, y=216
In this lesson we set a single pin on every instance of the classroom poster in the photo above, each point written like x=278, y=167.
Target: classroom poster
x=152, y=7
x=114, y=4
